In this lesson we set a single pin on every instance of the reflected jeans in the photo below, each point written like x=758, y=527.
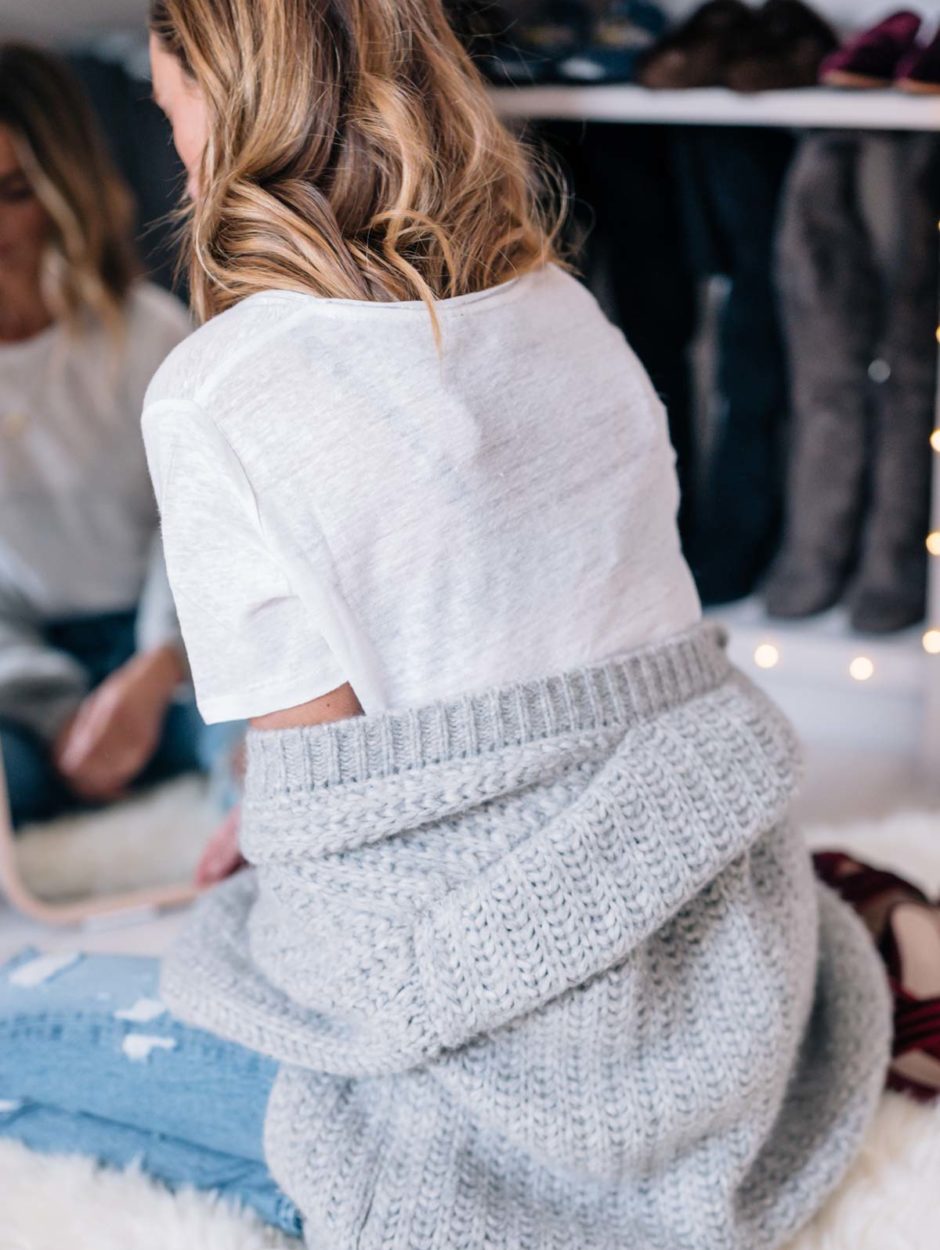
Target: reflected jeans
x=91, y=1063
x=101, y=644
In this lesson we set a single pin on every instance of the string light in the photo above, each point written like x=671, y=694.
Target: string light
x=935, y=440
x=766, y=656
x=931, y=642
x=861, y=668
x=933, y=543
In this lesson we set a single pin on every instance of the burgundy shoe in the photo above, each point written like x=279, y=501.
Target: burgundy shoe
x=872, y=58
x=871, y=892
x=910, y=948
x=919, y=71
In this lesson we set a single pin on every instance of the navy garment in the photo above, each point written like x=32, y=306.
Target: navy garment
x=732, y=181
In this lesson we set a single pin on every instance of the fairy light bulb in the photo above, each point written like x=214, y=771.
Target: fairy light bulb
x=766, y=656
x=933, y=543
x=935, y=440
x=862, y=668
x=931, y=641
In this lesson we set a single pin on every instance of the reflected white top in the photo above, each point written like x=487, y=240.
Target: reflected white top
x=77, y=514
x=339, y=502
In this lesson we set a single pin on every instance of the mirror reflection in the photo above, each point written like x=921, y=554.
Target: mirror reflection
x=96, y=712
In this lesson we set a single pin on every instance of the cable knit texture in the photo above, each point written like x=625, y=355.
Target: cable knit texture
x=545, y=967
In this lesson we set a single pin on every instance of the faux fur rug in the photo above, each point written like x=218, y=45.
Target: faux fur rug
x=155, y=838
x=888, y=1201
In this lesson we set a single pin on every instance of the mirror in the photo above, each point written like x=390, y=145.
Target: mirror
x=110, y=783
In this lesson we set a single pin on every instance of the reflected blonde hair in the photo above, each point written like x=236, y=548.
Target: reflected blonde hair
x=352, y=152
x=89, y=263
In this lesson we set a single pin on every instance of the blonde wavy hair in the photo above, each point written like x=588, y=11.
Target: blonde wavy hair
x=352, y=152
x=89, y=262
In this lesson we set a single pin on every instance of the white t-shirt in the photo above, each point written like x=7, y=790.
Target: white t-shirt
x=340, y=503
x=77, y=514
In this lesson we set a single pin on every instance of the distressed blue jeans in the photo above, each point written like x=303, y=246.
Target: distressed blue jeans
x=92, y=1063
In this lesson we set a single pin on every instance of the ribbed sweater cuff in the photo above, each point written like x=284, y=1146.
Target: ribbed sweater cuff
x=625, y=690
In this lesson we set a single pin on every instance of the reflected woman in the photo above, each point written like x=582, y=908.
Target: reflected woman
x=91, y=663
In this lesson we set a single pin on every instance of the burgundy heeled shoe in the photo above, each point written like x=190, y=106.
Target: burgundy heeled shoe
x=872, y=58
x=911, y=951
x=871, y=892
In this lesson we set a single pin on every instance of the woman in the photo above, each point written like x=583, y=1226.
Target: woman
x=90, y=655
x=529, y=954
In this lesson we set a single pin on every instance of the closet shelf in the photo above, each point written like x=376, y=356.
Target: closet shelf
x=822, y=648
x=890, y=712
x=809, y=107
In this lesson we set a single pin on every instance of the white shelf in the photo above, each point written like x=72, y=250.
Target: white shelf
x=716, y=106
x=812, y=681
x=821, y=648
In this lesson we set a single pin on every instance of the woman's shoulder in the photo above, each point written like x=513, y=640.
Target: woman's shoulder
x=216, y=350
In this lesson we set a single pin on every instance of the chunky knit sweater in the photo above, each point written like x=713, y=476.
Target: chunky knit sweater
x=545, y=968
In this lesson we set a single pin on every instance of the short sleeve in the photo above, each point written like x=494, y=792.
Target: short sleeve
x=250, y=641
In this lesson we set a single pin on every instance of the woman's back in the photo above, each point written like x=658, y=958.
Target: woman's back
x=342, y=503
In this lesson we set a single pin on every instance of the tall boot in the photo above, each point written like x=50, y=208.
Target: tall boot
x=831, y=297
x=891, y=585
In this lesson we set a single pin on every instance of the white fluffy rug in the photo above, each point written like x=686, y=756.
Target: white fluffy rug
x=152, y=839
x=889, y=1201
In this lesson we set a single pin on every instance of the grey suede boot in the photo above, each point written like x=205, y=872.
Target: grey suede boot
x=830, y=295
x=891, y=585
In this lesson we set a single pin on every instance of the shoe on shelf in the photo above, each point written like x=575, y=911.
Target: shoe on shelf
x=872, y=59
x=696, y=52
x=623, y=31
x=555, y=32
x=919, y=71
x=783, y=50
x=510, y=53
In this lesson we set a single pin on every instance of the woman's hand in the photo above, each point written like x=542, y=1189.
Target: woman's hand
x=221, y=857
x=116, y=729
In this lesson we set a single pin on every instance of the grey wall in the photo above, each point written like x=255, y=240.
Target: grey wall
x=59, y=19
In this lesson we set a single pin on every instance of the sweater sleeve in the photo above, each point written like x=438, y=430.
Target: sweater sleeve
x=580, y=894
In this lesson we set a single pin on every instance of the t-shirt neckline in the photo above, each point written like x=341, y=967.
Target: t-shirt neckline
x=503, y=290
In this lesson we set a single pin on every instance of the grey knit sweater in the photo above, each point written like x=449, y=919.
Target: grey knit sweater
x=545, y=968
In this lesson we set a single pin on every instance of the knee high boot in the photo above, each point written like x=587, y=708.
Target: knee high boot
x=890, y=589
x=830, y=297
